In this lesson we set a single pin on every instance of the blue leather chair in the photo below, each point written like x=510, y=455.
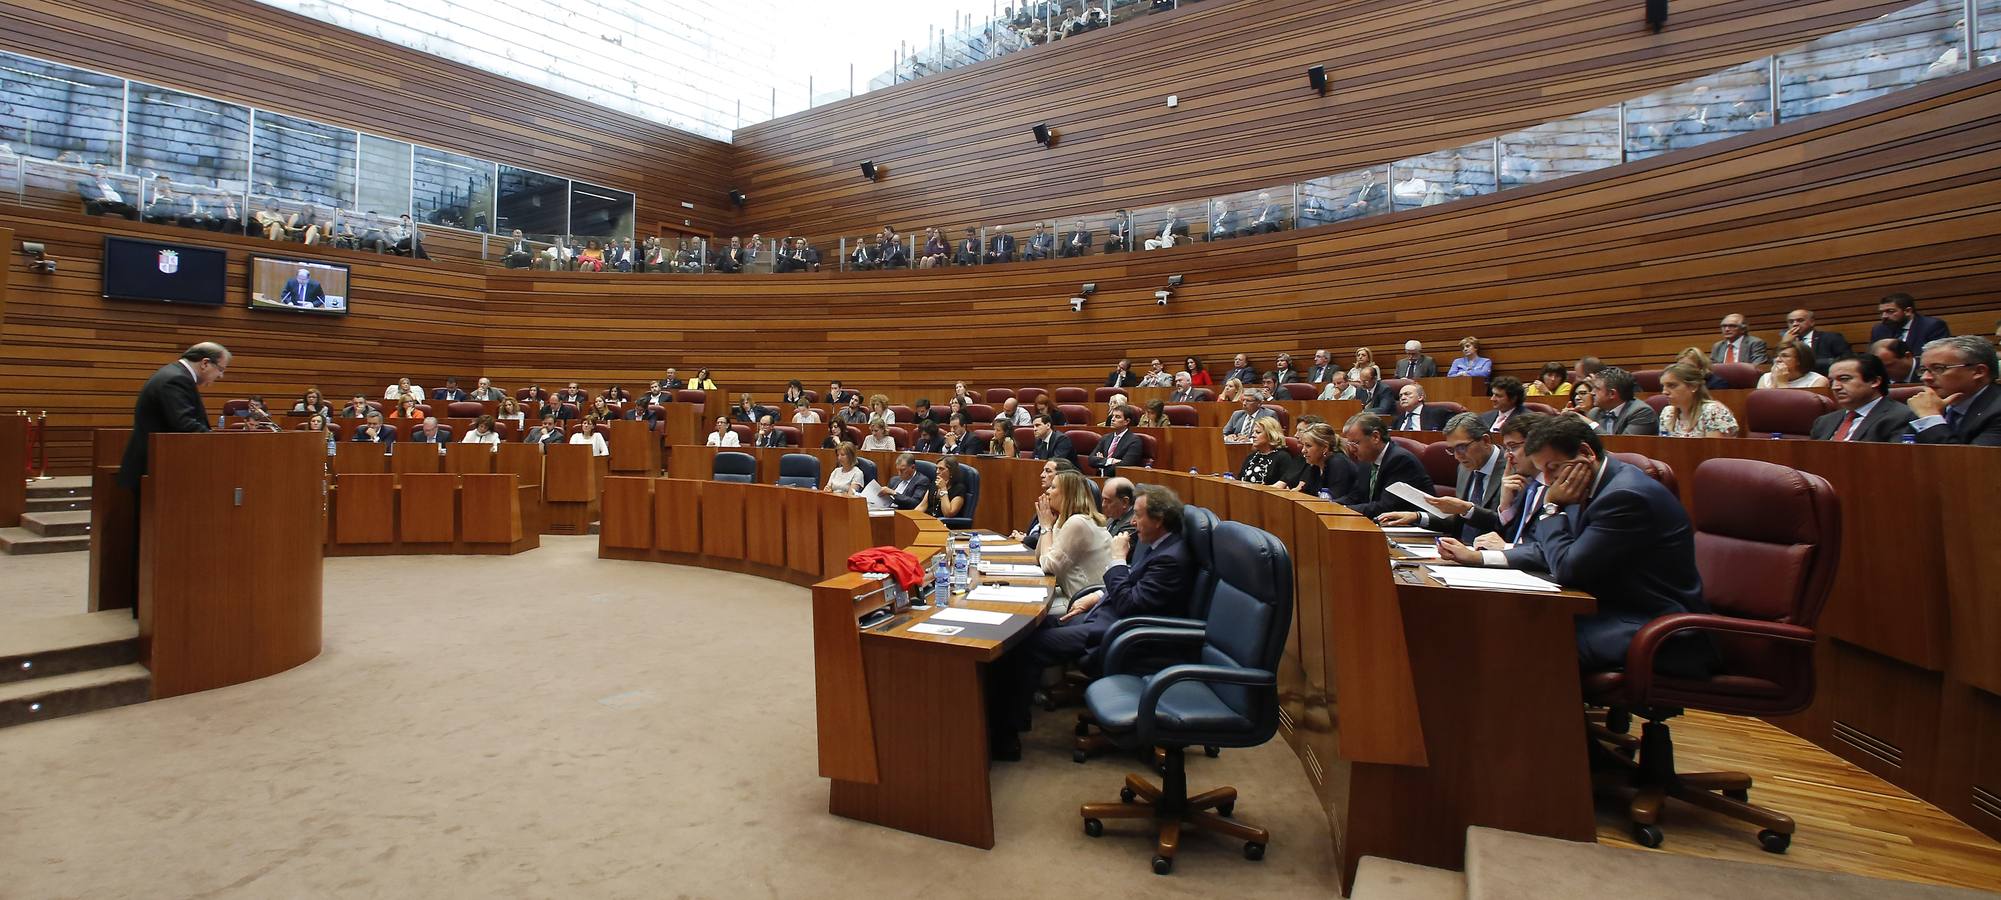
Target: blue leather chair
x=733, y=466
x=1229, y=699
x=972, y=476
x=868, y=469
x=799, y=470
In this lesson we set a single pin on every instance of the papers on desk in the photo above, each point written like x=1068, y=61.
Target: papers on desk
x=1003, y=547
x=1415, y=497
x=872, y=492
x=939, y=630
x=1010, y=570
x=881, y=513
x=1491, y=579
x=996, y=593
x=975, y=616
x=1408, y=531
x=1419, y=551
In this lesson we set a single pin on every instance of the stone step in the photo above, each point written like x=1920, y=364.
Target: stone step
x=21, y=541
x=58, y=524
x=59, y=645
x=36, y=699
x=61, y=486
x=1389, y=879
x=59, y=504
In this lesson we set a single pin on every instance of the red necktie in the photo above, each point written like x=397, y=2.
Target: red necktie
x=1730, y=355
x=1847, y=422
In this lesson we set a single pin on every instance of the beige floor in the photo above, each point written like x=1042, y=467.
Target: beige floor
x=550, y=725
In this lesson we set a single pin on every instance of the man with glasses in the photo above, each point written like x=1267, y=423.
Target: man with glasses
x=1473, y=511
x=170, y=403
x=1737, y=346
x=1959, y=404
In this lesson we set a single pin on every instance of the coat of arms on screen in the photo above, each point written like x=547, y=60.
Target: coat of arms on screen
x=170, y=261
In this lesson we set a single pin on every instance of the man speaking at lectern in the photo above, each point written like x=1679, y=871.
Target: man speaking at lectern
x=170, y=403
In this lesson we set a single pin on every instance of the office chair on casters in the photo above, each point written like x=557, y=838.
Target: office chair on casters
x=965, y=521
x=1228, y=699
x=799, y=470
x=730, y=465
x=1767, y=541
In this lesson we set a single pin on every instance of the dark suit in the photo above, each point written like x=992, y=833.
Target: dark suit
x=1335, y=477
x=772, y=438
x=968, y=252
x=1322, y=374
x=386, y=436
x=441, y=437
x=1427, y=418
x=1287, y=375
x=1421, y=367
x=1125, y=449
x=1980, y=425
x=1630, y=545
x=910, y=493
x=1120, y=379
x=169, y=403
x=1040, y=244
x=1923, y=330
x=1632, y=417
x=1886, y=423
x=1001, y=248
x=1240, y=421
x=310, y=295
x=1827, y=347
x=1485, y=515
x=970, y=446
x=538, y=436
x=1379, y=399
x=1370, y=495
x=1076, y=243
x=1056, y=446
x=448, y=394
x=1248, y=375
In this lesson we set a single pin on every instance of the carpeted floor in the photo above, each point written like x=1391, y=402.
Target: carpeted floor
x=553, y=725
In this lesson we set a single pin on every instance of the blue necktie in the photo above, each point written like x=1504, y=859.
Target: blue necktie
x=1529, y=503
x=1952, y=416
x=1475, y=489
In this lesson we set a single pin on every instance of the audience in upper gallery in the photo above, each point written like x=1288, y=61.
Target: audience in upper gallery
x=1282, y=371
x=1364, y=358
x=1470, y=363
x=1120, y=447
x=591, y=258
x=1041, y=244
x=878, y=437
x=723, y=435
x=1157, y=583
x=1242, y=370
x=1824, y=347
x=1325, y=470
x=1738, y=345
x=311, y=402
x=1156, y=376
x=967, y=251
x=1079, y=546
x=864, y=256
x=1898, y=317
x=1269, y=461
x=1155, y=415
x=1616, y=534
x=1792, y=367
x=1898, y=361
x=1474, y=510
x=1861, y=388
x=1122, y=375
x=549, y=432
x=558, y=256
x=1413, y=414
x=1553, y=382
x=1049, y=442
x=1338, y=386
x=1415, y=363
x=1076, y=241
x=1614, y=410
x=1002, y=443
x=374, y=431
x=1381, y=463
x=936, y=251
x=1184, y=389
x=846, y=478
x=1198, y=375
x=1959, y=404
x=1000, y=248
x=1239, y=429
x=101, y=195
x=1690, y=412
x=1508, y=395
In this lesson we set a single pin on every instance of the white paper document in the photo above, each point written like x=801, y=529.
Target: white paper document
x=1010, y=570
x=1408, y=531
x=872, y=492
x=1003, y=547
x=995, y=593
x=1420, y=551
x=1414, y=496
x=975, y=616
x=1493, y=579
x=939, y=630
x=881, y=513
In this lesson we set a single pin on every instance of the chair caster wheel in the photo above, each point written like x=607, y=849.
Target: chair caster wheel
x=1094, y=828
x=1618, y=721
x=1227, y=810
x=1083, y=730
x=1126, y=795
x=1212, y=752
x=1254, y=851
x=1079, y=757
x=1162, y=865
x=1647, y=835
x=1738, y=794
x=1774, y=842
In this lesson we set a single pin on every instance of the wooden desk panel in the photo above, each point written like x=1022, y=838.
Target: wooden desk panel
x=677, y=515
x=416, y=459
x=490, y=508
x=635, y=448
x=469, y=459
x=764, y=527
x=927, y=714
x=568, y=474
x=627, y=518
x=723, y=513
x=845, y=530
x=365, y=509
x=802, y=532
x=524, y=460
x=351, y=458
x=427, y=508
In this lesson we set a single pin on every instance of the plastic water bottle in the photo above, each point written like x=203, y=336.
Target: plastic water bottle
x=960, y=575
x=973, y=548
x=1191, y=471
x=1229, y=476
x=1778, y=435
x=1324, y=495
x=1908, y=438
x=941, y=584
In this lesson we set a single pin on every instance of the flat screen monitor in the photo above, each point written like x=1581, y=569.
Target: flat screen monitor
x=298, y=285
x=163, y=273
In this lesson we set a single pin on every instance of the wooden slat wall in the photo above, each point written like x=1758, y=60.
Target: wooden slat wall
x=1408, y=78
x=231, y=50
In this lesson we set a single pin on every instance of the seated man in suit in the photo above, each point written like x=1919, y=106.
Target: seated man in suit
x=168, y=207
x=302, y=290
x=1959, y=404
x=1898, y=361
x=1041, y=245
x=1413, y=415
x=929, y=438
x=1381, y=463
x=1156, y=376
x=1121, y=447
x=908, y=489
x=1376, y=396
x=1415, y=363
x=1267, y=218
x=1050, y=443
x=357, y=408
x=1522, y=487
x=450, y=392
x=1737, y=346
x=1618, y=411
x=768, y=436
x=1861, y=387
x=1115, y=500
x=1156, y=583
x=1610, y=530
x=1338, y=387
x=1222, y=222
x=959, y=438
x=1184, y=389
x=1238, y=429
x=1898, y=317
x=967, y=251
x=1283, y=372
x=485, y=391
x=1482, y=467
x=430, y=433
x=518, y=255
x=1076, y=241
x=1508, y=395
x=549, y=432
x=374, y=431
x=1000, y=248
x=1170, y=232
x=1323, y=368
x=1826, y=345
x=101, y=195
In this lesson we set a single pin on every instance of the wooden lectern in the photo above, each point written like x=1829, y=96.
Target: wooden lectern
x=231, y=539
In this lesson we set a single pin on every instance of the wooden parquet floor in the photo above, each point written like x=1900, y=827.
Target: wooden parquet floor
x=1849, y=820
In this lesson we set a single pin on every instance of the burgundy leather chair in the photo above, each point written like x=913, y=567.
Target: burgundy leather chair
x=1292, y=444
x=1783, y=411
x=1739, y=375
x=1072, y=395
x=1181, y=414
x=1027, y=395
x=1300, y=390
x=526, y=394
x=999, y=395
x=1024, y=439
x=812, y=396
x=1647, y=381
x=1284, y=416
x=391, y=427
x=1657, y=401
x=745, y=434
x=1443, y=468
x=1655, y=469
x=465, y=409
x=980, y=412
x=1104, y=394
x=1075, y=414
x=1416, y=448
x=1539, y=408
x=793, y=436
x=1149, y=450
x=1768, y=542
x=1904, y=393
x=1082, y=443
x=1447, y=405
x=236, y=407
x=506, y=429
x=696, y=397
x=1393, y=385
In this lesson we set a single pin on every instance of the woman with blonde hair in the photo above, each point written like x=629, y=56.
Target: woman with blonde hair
x=1075, y=548
x=879, y=411
x=1364, y=358
x=1233, y=391
x=1695, y=358
x=510, y=411
x=847, y=478
x=1270, y=462
x=878, y=438
x=1690, y=412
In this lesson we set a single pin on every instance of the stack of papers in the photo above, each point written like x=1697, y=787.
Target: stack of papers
x=1009, y=570
x=1491, y=579
x=939, y=630
x=995, y=593
x=1415, y=497
x=1421, y=551
x=1003, y=547
x=881, y=513
x=975, y=616
x=1408, y=531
